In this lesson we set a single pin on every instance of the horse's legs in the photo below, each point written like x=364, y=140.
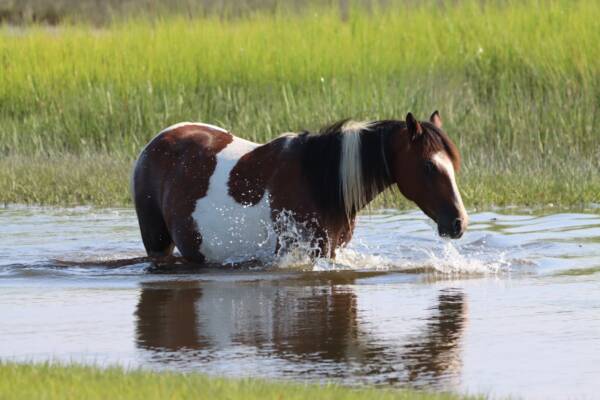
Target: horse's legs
x=187, y=239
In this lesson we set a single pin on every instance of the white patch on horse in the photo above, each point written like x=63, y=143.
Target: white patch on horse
x=351, y=179
x=445, y=164
x=230, y=231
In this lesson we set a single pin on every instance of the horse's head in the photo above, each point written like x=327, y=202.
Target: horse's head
x=423, y=167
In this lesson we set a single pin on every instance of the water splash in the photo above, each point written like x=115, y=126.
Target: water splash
x=450, y=261
x=297, y=243
x=446, y=260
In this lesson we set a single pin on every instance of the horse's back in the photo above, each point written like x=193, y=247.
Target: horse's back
x=183, y=152
x=171, y=173
x=182, y=138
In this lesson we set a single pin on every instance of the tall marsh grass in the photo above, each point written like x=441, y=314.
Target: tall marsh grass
x=517, y=83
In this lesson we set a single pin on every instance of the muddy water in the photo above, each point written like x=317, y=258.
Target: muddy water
x=513, y=308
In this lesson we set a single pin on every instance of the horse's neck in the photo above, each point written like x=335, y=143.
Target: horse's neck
x=371, y=196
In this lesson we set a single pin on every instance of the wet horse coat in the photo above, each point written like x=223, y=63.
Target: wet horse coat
x=223, y=199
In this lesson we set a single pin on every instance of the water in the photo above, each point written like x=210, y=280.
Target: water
x=513, y=308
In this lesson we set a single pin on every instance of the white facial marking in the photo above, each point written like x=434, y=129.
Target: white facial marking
x=230, y=231
x=445, y=164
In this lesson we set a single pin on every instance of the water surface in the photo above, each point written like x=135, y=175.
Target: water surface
x=513, y=308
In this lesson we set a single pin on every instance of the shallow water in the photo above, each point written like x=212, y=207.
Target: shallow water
x=513, y=308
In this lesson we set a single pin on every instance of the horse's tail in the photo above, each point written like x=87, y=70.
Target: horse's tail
x=155, y=234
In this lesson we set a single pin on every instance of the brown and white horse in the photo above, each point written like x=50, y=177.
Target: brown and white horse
x=223, y=199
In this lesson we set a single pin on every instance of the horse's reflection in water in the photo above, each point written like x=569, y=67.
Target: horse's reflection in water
x=166, y=316
x=191, y=322
x=434, y=353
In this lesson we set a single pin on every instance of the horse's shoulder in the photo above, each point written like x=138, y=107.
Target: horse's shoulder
x=254, y=170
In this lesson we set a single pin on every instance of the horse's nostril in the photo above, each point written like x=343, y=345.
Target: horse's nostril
x=457, y=225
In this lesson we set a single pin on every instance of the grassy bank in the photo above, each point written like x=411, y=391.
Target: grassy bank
x=56, y=382
x=518, y=85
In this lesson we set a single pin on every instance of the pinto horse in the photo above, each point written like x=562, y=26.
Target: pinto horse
x=222, y=199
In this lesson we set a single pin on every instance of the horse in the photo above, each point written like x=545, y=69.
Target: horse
x=222, y=199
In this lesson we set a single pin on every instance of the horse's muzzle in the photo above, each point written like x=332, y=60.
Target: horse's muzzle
x=452, y=228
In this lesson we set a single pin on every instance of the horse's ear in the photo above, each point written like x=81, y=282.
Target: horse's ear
x=436, y=120
x=413, y=126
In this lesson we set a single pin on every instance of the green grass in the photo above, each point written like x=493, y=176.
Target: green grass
x=50, y=382
x=100, y=179
x=517, y=83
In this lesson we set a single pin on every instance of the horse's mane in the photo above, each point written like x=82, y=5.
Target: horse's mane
x=347, y=163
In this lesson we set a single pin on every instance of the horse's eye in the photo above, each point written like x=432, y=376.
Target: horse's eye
x=429, y=167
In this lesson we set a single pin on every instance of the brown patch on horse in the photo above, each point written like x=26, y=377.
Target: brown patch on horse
x=250, y=176
x=171, y=174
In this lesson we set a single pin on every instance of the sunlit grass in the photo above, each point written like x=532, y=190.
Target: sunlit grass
x=517, y=83
x=73, y=382
x=96, y=179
